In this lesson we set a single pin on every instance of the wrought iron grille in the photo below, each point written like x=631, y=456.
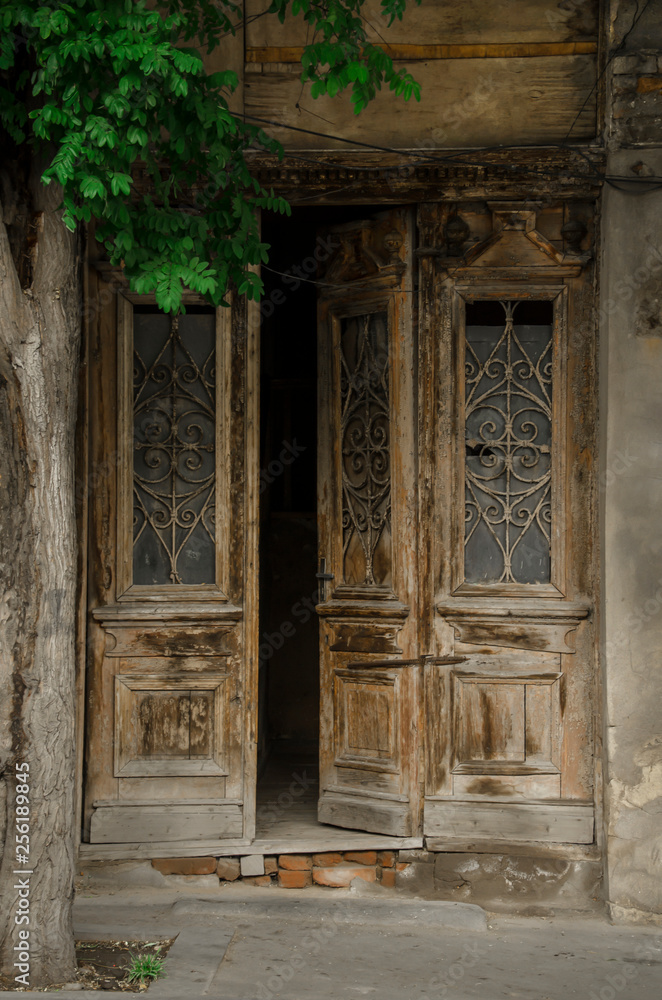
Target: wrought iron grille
x=174, y=425
x=365, y=446
x=508, y=443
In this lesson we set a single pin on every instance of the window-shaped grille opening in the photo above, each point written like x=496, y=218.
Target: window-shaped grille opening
x=508, y=423
x=366, y=449
x=174, y=447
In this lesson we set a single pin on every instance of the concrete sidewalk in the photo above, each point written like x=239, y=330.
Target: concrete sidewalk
x=248, y=943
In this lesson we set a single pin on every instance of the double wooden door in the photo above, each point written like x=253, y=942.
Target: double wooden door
x=456, y=544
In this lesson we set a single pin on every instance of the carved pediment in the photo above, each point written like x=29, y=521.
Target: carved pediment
x=515, y=242
x=365, y=250
x=514, y=245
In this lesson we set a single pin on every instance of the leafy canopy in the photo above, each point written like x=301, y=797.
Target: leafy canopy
x=142, y=138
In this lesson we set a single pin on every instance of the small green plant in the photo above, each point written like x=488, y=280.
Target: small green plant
x=144, y=968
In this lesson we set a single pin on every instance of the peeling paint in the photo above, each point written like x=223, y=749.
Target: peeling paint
x=649, y=788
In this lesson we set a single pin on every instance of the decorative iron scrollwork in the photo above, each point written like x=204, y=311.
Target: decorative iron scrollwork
x=174, y=477
x=365, y=447
x=508, y=443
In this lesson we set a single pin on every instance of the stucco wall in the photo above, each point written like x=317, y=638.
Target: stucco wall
x=631, y=496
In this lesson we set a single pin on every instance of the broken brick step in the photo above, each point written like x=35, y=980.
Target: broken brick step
x=294, y=879
x=294, y=871
x=306, y=862
x=343, y=875
x=185, y=866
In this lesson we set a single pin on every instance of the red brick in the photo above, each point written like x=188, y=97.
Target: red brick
x=342, y=875
x=293, y=879
x=327, y=860
x=295, y=862
x=257, y=879
x=270, y=866
x=388, y=878
x=185, y=866
x=228, y=869
x=362, y=857
x=402, y=866
x=386, y=859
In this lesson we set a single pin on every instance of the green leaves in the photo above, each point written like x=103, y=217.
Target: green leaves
x=120, y=183
x=91, y=187
x=342, y=56
x=144, y=140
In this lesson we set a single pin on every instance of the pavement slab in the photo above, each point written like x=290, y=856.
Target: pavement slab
x=527, y=959
x=249, y=943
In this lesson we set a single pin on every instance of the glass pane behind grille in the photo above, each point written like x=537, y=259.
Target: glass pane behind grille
x=508, y=442
x=174, y=477
x=366, y=455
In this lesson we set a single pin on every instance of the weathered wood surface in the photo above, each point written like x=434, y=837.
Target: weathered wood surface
x=520, y=849
x=369, y=754
x=360, y=177
x=366, y=637
x=178, y=666
x=379, y=816
x=286, y=823
x=412, y=53
x=166, y=640
x=464, y=103
x=165, y=664
x=294, y=841
x=549, y=822
x=114, y=823
x=515, y=721
x=471, y=22
x=505, y=724
x=522, y=635
x=489, y=719
x=169, y=724
x=229, y=56
x=515, y=786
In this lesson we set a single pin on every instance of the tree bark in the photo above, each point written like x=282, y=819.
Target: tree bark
x=40, y=320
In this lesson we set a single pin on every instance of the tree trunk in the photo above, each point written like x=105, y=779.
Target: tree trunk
x=40, y=320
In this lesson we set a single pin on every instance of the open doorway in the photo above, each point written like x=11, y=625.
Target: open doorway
x=291, y=474
x=289, y=632
x=289, y=661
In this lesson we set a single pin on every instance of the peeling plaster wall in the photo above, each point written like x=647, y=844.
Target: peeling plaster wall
x=631, y=466
x=631, y=479
x=504, y=883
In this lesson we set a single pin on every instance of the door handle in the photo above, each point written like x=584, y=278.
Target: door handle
x=322, y=576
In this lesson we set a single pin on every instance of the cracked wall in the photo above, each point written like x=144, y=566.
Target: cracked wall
x=631, y=493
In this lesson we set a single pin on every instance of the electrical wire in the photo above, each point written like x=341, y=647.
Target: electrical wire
x=652, y=183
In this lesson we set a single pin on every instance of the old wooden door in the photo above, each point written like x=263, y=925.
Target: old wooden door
x=370, y=683
x=172, y=636
x=507, y=336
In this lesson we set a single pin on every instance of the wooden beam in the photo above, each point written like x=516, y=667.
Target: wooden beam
x=408, y=52
x=306, y=842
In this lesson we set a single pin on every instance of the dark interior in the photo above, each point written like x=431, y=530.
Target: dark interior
x=288, y=726
x=289, y=681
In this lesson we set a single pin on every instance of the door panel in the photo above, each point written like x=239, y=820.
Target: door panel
x=507, y=336
x=370, y=708
x=169, y=737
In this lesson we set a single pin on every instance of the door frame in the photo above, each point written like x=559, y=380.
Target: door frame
x=424, y=185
